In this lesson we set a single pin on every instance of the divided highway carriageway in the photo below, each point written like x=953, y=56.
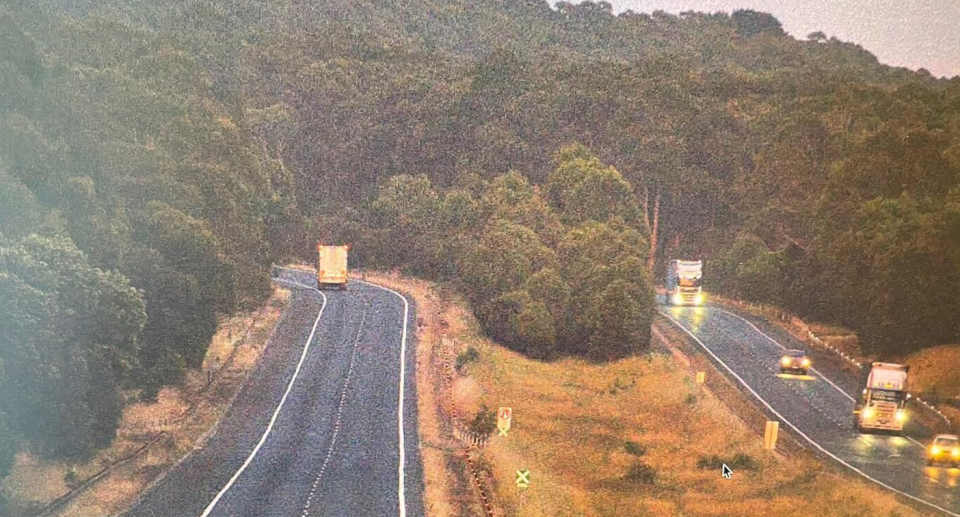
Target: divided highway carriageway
x=326, y=424
x=818, y=410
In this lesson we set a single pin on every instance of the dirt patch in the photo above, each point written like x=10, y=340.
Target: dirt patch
x=173, y=425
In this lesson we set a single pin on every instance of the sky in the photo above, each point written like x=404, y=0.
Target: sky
x=909, y=33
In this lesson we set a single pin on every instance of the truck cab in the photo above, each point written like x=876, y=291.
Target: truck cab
x=683, y=282
x=883, y=398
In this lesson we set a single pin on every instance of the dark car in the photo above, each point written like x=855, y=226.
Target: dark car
x=795, y=361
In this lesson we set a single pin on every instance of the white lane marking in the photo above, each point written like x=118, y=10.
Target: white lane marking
x=339, y=416
x=276, y=412
x=815, y=371
x=774, y=341
x=403, y=355
x=797, y=430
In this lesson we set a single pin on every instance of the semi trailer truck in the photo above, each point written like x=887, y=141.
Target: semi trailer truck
x=882, y=400
x=332, y=267
x=683, y=282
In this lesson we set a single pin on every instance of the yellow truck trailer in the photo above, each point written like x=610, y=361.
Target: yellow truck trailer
x=332, y=266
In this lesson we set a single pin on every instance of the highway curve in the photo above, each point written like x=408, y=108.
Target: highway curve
x=333, y=447
x=818, y=411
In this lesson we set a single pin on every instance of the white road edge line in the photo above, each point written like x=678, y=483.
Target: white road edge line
x=822, y=376
x=798, y=431
x=403, y=357
x=775, y=342
x=276, y=413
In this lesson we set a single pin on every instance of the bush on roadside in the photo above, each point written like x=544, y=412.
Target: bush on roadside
x=466, y=357
x=634, y=448
x=740, y=461
x=485, y=421
x=641, y=473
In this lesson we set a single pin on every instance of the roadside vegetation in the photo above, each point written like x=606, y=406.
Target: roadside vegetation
x=636, y=437
x=521, y=256
x=184, y=414
x=155, y=158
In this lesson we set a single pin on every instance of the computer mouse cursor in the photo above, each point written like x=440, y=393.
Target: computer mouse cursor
x=726, y=472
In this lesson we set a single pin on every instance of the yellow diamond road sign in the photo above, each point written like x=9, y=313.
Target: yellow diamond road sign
x=523, y=478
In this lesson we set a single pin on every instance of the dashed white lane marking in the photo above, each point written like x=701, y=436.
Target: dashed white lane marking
x=276, y=413
x=403, y=358
x=775, y=342
x=795, y=428
x=401, y=467
x=339, y=416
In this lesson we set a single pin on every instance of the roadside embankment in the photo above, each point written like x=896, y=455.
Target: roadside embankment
x=152, y=437
x=631, y=437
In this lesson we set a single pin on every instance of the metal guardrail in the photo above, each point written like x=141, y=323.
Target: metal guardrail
x=461, y=431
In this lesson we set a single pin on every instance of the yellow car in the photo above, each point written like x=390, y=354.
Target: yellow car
x=945, y=450
x=795, y=361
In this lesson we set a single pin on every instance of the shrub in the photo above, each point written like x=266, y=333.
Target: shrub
x=642, y=473
x=485, y=421
x=740, y=461
x=634, y=448
x=467, y=356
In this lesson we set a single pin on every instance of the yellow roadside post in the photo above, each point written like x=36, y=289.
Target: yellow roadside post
x=701, y=378
x=770, y=435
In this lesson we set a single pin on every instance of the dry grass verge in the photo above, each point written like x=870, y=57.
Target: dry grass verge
x=636, y=437
x=233, y=352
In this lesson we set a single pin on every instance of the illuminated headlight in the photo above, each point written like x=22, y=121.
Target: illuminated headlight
x=935, y=450
x=956, y=452
x=785, y=361
x=699, y=299
x=806, y=363
x=677, y=299
x=901, y=415
x=868, y=412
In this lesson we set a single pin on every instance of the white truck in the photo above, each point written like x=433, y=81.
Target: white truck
x=882, y=399
x=683, y=282
x=332, y=266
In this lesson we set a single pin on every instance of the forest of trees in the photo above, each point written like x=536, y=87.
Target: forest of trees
x=523, y=258
x=156, y=157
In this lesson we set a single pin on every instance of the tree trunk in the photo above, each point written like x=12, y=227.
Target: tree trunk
x=652, y=261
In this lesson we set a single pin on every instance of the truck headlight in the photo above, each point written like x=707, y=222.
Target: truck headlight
x=868, y=412
x=901, y=415
x=785, y=361
x=699, y=299
x=935, y=450
x=956, y=452
x=677, y=299
x=806, y=363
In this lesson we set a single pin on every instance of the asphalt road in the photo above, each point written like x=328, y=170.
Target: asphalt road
x=315, y=429
x=818, y=410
